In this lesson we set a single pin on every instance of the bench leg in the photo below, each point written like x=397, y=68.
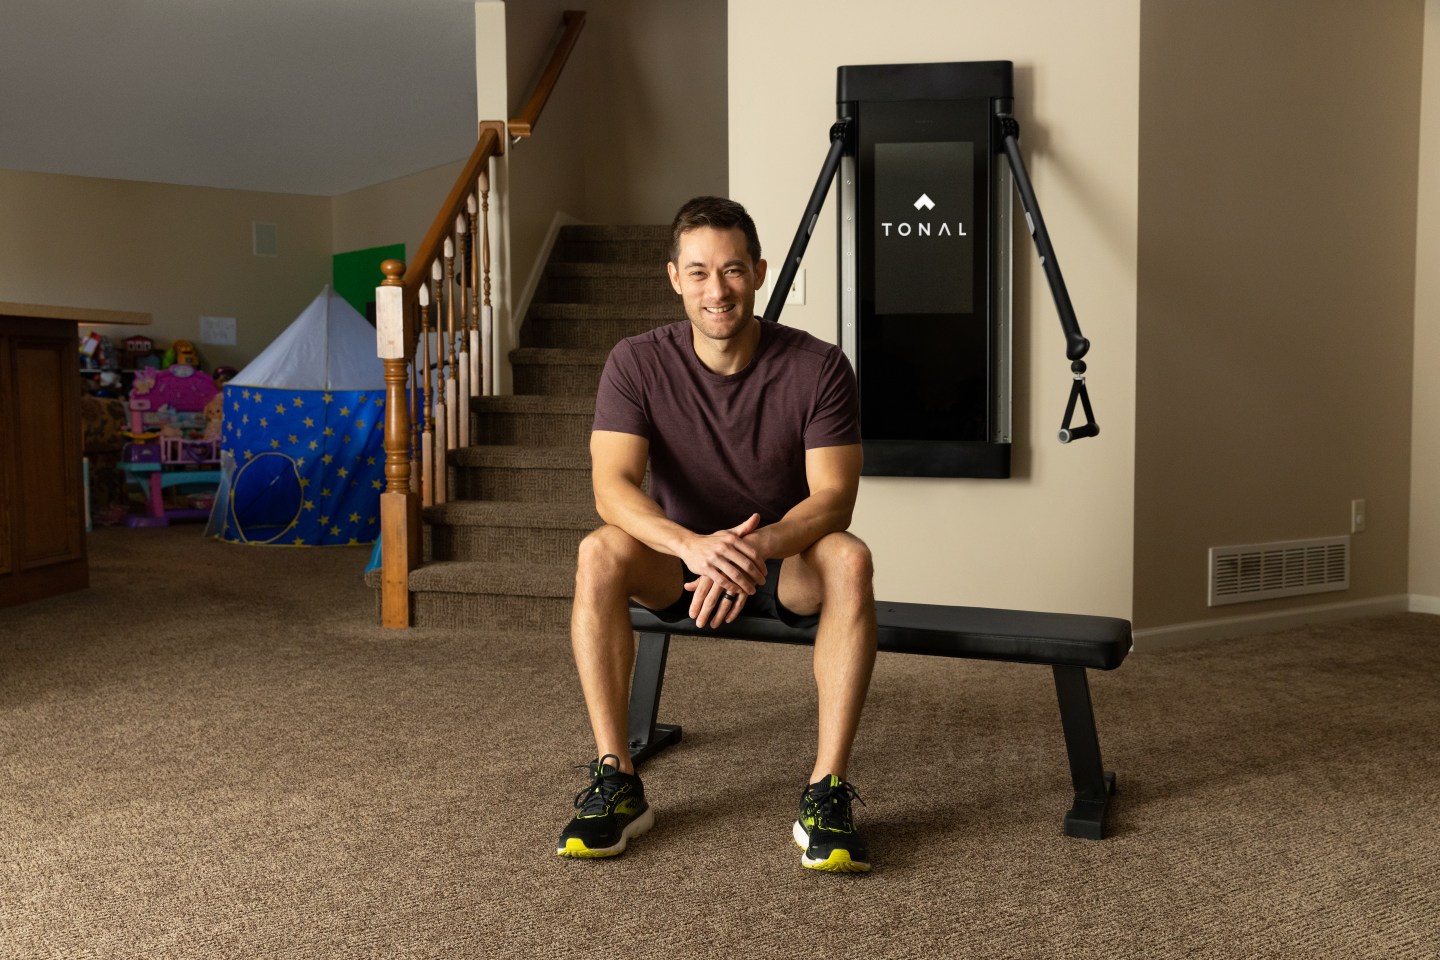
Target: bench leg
x=646, y=736
x=1093, y=784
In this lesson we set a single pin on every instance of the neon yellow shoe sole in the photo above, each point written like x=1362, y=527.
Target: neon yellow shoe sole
x=575, y=848
x=839, y=860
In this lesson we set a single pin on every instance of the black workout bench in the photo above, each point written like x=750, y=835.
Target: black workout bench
x=1069, y=644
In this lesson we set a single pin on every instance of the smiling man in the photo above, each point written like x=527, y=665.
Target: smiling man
x=751, y=432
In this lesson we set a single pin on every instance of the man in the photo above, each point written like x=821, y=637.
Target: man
x=752, y=436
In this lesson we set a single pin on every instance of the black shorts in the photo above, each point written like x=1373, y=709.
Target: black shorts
x=765, y=602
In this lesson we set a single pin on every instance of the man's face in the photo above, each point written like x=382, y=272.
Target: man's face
x=717, y=280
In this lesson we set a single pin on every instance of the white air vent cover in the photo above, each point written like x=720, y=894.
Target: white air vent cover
x=264, y=239
x=1263, y=571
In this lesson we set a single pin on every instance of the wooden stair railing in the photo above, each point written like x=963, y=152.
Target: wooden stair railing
x=572, y=21
x=434, y=326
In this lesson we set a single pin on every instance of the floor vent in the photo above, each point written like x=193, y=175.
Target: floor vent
x=1264, y=571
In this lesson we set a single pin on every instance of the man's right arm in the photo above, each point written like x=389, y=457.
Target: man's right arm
x=617, y=462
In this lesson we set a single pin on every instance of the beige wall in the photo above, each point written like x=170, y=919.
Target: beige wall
x=643, y=102
x=175, y=252
x=546, y=172
x=182, y=252
x=1059, y=535
x=1425, y=453
x=397, y=211
x=1278, y=154
x=659, y=127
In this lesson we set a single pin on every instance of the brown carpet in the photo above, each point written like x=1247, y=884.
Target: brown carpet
x=214, y=752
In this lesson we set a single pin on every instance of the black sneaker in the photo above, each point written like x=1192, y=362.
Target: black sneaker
x=612, y=810
x=825, y=830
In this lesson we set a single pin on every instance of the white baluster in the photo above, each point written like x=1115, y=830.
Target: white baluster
x=427, y=435
x=452, y=411
x=473, y=330
x=487, y=376
x=441, y=415
x=462, y=386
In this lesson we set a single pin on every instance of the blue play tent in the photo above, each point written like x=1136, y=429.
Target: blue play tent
x=303, y=442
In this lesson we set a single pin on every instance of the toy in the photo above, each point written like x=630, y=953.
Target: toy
x=170, y=443
x=107, y=384
x=215, y=417
x=136, y=350
x=181, y=351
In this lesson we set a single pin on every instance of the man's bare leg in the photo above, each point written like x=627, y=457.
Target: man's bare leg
x=835, y=575
x=613, y=567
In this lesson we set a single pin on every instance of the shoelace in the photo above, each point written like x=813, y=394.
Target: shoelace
x=594, y=800
x=832, y=806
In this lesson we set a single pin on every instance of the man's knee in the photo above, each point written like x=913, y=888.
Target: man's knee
x=605, y=557
x=843, y=558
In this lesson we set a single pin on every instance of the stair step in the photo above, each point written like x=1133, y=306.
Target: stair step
x=605, y=271
x=537, y=474
x=510, y=532
x=470, y=594
x=594, y=332
x=558, y=372
x=615, y=232
x=613, y=244
x=514, y=513
x=626, y=283
x=532, y=420
x=659, y=313
x=495, y=579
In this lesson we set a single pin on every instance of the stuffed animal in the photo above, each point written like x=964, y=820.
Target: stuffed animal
x=214, y=417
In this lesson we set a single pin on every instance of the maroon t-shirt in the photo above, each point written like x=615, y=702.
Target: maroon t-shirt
x=724, y=447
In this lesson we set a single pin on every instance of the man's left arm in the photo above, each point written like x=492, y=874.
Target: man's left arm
x=833, y=474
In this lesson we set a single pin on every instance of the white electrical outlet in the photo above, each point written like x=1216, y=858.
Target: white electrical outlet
x=1357, y=516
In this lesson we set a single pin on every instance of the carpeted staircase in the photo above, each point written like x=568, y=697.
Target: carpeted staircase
x=502, y=551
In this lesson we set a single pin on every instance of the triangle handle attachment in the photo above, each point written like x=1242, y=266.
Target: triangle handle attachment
x=1078, y=392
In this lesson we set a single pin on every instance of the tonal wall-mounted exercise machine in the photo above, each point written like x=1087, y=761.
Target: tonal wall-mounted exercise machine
x=924, y=264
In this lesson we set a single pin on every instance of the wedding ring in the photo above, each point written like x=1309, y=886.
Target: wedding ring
x=730, y=596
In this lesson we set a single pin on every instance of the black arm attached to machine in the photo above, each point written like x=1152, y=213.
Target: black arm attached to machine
x=1076, y=346
x=781, y=288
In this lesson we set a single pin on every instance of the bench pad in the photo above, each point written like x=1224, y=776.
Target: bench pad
x=980, y=633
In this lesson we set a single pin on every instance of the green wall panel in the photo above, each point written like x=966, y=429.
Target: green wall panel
x=357, y=274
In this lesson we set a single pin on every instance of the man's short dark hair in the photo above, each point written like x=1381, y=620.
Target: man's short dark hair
x=717, y=212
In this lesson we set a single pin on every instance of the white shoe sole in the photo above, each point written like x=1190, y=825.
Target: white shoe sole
x=838, y=862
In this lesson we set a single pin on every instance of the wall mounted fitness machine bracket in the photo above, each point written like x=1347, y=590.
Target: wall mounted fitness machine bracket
x=924, y=264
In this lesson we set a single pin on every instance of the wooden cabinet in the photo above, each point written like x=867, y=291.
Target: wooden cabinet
x=42, y=522
x=42, y=518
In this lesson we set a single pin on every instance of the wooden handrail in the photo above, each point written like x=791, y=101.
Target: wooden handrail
x=490, y=144
x=524, y=125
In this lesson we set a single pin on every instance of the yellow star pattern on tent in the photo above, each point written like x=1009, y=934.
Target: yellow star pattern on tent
x=300, y=442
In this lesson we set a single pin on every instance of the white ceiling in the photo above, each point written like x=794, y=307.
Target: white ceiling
x=290, y=96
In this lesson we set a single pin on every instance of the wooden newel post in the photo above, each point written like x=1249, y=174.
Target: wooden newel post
x=399, y=508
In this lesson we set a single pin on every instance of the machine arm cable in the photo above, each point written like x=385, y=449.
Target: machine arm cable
x=1076, y=346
